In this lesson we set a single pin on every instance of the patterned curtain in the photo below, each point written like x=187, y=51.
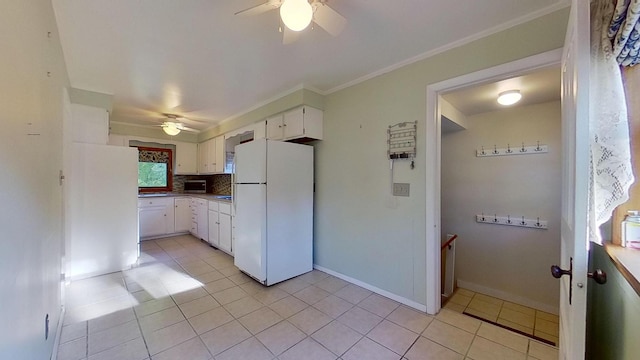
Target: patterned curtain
x=624, y=32
x=611, y=173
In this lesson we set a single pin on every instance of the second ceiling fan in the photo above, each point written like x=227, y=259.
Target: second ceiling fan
x=298, y=14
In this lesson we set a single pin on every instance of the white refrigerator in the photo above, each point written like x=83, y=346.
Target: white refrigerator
x=102, y=210
x=273, y=202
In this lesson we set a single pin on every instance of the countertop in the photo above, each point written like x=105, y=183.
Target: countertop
x=223, y=198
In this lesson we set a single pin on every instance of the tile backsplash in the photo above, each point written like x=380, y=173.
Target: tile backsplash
x=221, y=184
x=216, y=184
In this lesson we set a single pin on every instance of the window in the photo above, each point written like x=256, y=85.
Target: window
x=155, y=169
x=152, y=174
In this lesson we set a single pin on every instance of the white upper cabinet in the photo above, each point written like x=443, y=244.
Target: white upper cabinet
x=219, y=154
x=186, y=158
x=90, y=124
x=203, y=157
x=274, y=127
x=301, y=122
x=211, y=156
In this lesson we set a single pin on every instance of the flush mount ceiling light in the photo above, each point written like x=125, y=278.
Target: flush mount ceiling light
x=171, y=128
x=296, y=14
x=509, y=97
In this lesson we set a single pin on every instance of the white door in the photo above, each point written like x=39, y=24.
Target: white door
x=575, y=168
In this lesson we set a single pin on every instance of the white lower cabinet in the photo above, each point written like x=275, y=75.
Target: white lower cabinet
x=224, y=226
x=183, y=214
x=193, y=205
x=214, y=226
x=156, y=217
x=220, y=226
x=202, y=221
x=208, y=220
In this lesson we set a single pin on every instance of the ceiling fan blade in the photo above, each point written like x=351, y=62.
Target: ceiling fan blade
x=186, y=128
x=289, y=36
x=260, y=8
x=329, y=19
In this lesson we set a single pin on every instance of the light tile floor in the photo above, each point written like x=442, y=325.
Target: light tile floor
x=188, y=301
x=522, y=318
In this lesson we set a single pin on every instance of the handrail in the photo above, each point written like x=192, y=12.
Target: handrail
x=448, y=243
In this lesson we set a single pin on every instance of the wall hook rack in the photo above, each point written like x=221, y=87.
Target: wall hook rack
x=509, y=220
x=519, y=150
x=401, y=140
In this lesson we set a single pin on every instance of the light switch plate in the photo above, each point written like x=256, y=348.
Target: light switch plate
x=400, y=189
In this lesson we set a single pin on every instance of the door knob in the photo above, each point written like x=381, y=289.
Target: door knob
x=599, y=276
x=557, y=272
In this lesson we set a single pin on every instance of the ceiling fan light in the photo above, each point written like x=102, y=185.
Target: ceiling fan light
x=509, y=97
x=171, y=128
x=296, y=14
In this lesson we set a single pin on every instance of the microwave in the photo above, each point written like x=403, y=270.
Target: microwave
x=195, y=186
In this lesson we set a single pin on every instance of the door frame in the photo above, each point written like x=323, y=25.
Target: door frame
x=433, y=153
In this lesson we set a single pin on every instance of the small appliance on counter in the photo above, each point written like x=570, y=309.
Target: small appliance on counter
x=195, y=186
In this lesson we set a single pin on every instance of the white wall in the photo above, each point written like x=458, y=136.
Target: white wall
x=509, y=261
x=31, y=198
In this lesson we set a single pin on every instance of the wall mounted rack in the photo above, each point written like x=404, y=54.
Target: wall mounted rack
x=509, y=220
x=512, y=150
x=401, y=140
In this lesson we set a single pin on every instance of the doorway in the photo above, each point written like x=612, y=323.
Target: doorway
x=441, y=218
x=500, y=191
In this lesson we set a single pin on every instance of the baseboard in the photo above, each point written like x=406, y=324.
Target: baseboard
x=162, y=236
x=56, y=341
x=376, y=290
x=508, y=296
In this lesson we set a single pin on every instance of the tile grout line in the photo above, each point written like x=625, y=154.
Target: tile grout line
x=189, y=251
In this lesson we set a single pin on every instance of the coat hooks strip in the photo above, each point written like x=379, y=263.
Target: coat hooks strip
x=512, y=150
x=509, y=220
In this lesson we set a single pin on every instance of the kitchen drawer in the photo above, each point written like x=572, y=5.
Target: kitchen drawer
x=153, y=202
x=213, y=205
x=225, y=208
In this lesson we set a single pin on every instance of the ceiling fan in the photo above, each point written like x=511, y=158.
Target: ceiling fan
x=172, y=125
x=298, y=14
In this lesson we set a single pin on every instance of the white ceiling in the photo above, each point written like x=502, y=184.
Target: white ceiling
x=537, y=87
x=195, y=58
